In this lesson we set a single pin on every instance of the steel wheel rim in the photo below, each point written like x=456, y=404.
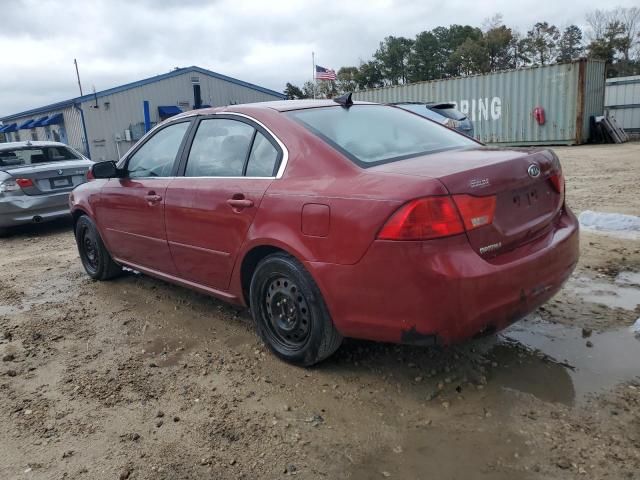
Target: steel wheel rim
x=286, y=314
x=90, y=251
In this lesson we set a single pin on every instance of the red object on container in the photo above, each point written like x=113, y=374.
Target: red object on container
x=538, y=114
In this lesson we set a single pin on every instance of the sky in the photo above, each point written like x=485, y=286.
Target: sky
x=268, y=43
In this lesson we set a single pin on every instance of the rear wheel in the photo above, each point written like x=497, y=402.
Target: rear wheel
x=290, y=314
x=4, y=232
x=95, y=258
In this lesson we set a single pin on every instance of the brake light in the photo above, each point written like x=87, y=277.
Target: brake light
x=476, y=211
x=557, y=181
x=422, y=219
x=24, y=182
x=90, y=175
x=434, y=217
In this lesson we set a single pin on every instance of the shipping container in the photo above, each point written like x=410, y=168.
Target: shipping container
x=501, y=105
x=622, y=101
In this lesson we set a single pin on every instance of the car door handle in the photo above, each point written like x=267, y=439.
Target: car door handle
x=240, y=203
x=152, y=198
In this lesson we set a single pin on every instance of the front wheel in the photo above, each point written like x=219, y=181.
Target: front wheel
x=95, y=258
x=290, y=314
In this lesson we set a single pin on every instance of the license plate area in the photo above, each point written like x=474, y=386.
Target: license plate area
x=525, y=198
x=61, y=182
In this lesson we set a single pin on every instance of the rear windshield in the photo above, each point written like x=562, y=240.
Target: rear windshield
x=450, y=113
x=35, y=155
x=374, y=134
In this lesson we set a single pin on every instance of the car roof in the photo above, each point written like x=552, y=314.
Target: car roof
x=34, y=143
x=278, y=105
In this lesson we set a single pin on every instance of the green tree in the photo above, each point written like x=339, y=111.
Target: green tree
x=347, y=79
x=614, y=36
x=498, y=42
x=393, y=57
x=541, y=43
x=454, y=37
x=370, y=75
x=470, y=58
x=292, y=92
x=309, y=90
x=570, y=44
x=426, y=61
x=609, y=43
x=326, y=89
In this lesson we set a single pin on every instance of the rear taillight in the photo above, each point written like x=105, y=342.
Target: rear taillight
x=557, y=181
x=422, y=219
x=24, y=182
x=435, y=217
x=90, y=175
x=476, y=211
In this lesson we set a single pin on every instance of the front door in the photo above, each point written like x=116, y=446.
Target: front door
x=131, y=209
x=210, y=208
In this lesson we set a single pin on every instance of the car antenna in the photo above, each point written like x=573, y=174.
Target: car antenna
x=344, y=100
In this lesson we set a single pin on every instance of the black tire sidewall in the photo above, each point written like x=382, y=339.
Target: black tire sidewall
x=283, y=265
x=86, y=227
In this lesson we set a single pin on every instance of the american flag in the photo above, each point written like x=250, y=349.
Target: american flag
x=325, y=73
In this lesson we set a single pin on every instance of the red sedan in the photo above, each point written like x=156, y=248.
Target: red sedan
x=334, y=219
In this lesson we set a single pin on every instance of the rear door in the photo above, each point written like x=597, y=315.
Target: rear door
x=130, y=211
x=209, y=208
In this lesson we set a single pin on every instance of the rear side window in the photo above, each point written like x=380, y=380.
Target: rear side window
x=374, y=134
x=156, y=157
x=219, y=149
x=263, y=158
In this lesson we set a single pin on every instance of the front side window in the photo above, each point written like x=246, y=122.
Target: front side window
x=156, y=157
x=220, y=148
x=374, y=134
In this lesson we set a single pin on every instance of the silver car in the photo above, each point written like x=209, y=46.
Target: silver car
x=35, y=181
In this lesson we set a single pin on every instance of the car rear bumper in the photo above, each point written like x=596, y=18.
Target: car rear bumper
x=21, y=209
x=442, y=291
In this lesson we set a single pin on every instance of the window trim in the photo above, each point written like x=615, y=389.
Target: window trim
x=124, y=162
x=283, y=153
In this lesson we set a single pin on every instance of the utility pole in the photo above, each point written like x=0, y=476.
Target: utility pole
x=313, y=78
x=75, y=62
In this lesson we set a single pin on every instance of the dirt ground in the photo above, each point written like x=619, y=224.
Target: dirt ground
x=138, y=379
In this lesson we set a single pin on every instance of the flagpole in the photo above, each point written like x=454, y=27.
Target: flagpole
x=313, y=77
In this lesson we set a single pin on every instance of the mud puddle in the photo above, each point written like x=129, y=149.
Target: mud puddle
x=564, y=364
x=440, y=454
x=624, y=293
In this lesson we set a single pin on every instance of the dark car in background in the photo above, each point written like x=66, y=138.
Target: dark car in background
x=35, y=181
x=445, y=113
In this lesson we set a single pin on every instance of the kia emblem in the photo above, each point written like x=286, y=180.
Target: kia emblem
x=533, y=170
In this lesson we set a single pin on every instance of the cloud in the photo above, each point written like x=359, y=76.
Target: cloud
x=267, y=43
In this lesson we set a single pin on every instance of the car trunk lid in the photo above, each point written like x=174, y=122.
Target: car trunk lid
x=526, y=201
x=47, y=178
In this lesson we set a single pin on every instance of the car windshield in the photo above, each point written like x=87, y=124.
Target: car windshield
x=35, y=155
x=374, y=134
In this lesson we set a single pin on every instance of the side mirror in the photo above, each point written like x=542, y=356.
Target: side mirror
x=104, y=170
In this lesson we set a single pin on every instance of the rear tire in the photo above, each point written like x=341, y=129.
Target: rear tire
x=289, y=311
x=5, y=232
x=95, y=258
